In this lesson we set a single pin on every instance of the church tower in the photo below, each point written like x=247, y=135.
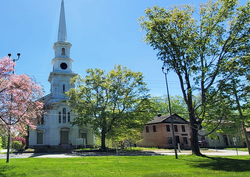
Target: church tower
x=62, y=72
x=55, y=128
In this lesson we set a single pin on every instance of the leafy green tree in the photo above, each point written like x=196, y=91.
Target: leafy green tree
x=118, y=100
x=178, y=105
x=236, y=90
x=196, y=48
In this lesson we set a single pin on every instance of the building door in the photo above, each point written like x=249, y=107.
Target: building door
x=84, y=137
x=177, y=139
x=64, y=136
x=225, y=140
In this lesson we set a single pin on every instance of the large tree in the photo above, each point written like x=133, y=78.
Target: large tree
x=18, y=105
x=110, y=102
x=195, y=45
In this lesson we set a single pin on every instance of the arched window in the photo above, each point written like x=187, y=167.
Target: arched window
x=63, y=87
x=68, y=116
x=60, y=118
x=63, y=51
x=64, y=115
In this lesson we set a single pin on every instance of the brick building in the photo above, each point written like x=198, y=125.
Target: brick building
x=158, y=132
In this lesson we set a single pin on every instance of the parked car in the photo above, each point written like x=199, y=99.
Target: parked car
x=202, y=143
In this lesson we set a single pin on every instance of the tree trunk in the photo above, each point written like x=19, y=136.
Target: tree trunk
x=103, y=138
x=27, y=138
x=241, y=116
x=194, y=132
x=194, y=142
x=8, y=149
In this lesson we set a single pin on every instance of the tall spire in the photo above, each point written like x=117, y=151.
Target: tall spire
x=62, y=33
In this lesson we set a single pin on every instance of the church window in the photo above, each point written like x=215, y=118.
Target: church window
x=63, y=51
x=64, y=115
x=42, y=120
x=68, y=116
x=63, y=87
x=60, y=117
x=39, y=138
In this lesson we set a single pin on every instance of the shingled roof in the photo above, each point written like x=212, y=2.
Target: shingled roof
x=166, y=119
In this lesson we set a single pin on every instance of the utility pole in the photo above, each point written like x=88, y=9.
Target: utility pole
x=165, y=72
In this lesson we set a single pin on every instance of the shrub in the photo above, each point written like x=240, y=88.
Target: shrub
x=4, y=142
x=22, y=140
x=16, y=145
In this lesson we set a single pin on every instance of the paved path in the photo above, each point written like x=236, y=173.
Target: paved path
x=210, y=152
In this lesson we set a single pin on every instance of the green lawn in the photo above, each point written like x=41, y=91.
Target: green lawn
x=147, y=166
x=239, y=149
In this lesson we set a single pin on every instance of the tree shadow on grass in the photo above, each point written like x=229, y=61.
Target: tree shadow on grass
x=223, y=164
x=7, y=170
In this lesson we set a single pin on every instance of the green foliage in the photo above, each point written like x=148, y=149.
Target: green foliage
x=16, y=145
x=178, y=105
x=4, y=141
x=111, y=102
x=198, y=50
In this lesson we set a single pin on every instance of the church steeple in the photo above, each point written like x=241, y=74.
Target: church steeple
x=62, y=46
x=62, y=63
x=62, y=32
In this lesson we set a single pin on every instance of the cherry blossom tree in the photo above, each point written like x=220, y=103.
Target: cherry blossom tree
x=19, y=107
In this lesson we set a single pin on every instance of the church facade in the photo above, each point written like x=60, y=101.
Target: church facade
x=55, y=128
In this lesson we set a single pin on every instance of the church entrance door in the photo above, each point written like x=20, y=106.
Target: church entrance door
x=64, y=136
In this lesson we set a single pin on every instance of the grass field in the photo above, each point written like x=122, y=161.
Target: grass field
x=147, y=166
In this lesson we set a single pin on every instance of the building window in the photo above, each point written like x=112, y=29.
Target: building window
x=170, y=140
x=39, y=139
x=63, y=87
x=183, y=128
x=40, y=120
x=64, y=115
x=68, y=116
x=147, y=129
x=63, y=51
x=154, y=128
x=60, y=118
x=185, y=140
x=168, y=128
x=175, y=128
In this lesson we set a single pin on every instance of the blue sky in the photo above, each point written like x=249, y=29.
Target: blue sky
x=103, y=33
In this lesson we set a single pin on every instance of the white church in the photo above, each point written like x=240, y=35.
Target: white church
x=55, y=129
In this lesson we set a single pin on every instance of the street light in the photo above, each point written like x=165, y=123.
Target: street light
x=165, y=72
x=8, y=143
x=14, y=60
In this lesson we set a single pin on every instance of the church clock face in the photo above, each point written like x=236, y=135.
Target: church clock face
x=63, y=65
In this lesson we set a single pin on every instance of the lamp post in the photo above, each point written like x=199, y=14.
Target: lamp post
x=14, y=60
x=165, y=72
x=8, y=145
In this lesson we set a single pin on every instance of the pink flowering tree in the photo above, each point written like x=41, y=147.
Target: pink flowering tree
x=19, y=107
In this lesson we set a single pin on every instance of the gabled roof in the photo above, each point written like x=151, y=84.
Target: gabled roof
x=167, y=119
